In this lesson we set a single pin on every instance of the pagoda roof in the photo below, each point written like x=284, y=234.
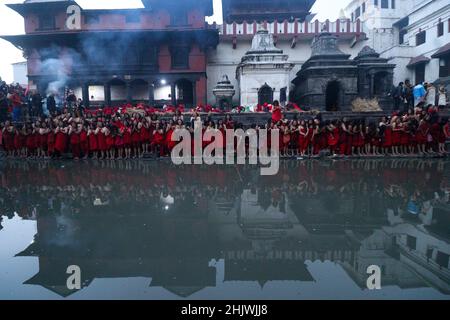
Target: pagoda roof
x=240, y=10
x=32, y=6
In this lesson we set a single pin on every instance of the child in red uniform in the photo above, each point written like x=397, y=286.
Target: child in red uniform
x=119, y=142
x=158, y=141
x=32, y=141
x=442, y=138
x=101, y=140
x=421, y=137
x=277, y=115
x=145, y=136
x=51, y=139
x=19, y=147
x=127, y=140
x=110, y=143
x=74, y=135
x=396, y=136
x=303, y=142
x=61, y=139
x=42, y=137
x=92, y=138
x=333, y=138
x=136, y=140
x=84, y=143
x=386, y=132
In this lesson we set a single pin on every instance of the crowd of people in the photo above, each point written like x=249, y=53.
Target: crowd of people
x=124, y=133
x=406, y=96
x=136, y=131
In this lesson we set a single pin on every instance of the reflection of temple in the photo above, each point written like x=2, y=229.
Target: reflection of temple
x=264, y=230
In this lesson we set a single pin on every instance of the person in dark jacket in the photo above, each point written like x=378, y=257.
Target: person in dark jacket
x=398, y=96
x=37, y=104
x=51, y=104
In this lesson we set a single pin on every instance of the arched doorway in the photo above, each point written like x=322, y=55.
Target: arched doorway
x=265, y=94
x=332, y=95
x=139, y=90
x=118, y=90
x=185, y=92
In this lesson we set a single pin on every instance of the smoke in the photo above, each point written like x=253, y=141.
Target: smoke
x=56, y=63
x=95, y=53
x=55, y=67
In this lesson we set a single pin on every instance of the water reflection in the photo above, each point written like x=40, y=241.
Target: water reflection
x=173, y=224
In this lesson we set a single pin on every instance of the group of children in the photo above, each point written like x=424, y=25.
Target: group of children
x=128, y=135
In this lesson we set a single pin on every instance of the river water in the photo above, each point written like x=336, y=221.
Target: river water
x=152, y=230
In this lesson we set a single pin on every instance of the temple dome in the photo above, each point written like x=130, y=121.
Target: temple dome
x=368, y=52
x=263, y=43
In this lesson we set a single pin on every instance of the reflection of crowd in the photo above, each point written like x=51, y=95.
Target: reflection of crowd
x=141, y=187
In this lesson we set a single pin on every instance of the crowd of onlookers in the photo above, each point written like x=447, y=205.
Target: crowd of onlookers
x=406, y=96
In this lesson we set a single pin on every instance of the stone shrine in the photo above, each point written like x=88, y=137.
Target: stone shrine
x=224, y=92
x=330, y=80
x=263, y=73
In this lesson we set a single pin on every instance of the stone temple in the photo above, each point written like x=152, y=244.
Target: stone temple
x=329, y=80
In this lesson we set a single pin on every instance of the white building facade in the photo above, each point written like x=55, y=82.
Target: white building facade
x=294, y=38
x=413, y=34
x=20, y=73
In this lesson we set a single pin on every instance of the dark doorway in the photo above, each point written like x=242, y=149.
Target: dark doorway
x=380, y=84
x=265, y=94
x=420, y=73
x=283, y=95
x=185, y=92
x=332, y=96
x=139, y=90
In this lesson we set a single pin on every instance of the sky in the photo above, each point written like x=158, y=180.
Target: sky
x=12, y=23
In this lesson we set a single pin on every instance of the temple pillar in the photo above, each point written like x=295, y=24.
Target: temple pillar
x=129, y=93
x=85, y=93
x=194, y=93
x=107, y=88
x=173, y=93
x=372, y=85
x=151, y=93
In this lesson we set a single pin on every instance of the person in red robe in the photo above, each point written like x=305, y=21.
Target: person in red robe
x=158, y=141
x=84, y=142
x=101, y=140
x=74, y=138
x=136, y=140
x=333, y=137
x=127, y=144
x=277, y=114
x=51, y=139
x=119, y=142
x=303, y=141
x=110, y=143
x=442, y=138
x=61, y=139
x=422, y=137
x=93, y=143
